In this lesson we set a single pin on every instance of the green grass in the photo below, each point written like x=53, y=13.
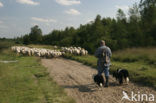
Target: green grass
x=26, y=81
x=141, y=70
x=6, y=43
x=146, y=55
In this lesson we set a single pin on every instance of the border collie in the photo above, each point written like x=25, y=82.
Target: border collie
x=121, y=75
x=98, y=79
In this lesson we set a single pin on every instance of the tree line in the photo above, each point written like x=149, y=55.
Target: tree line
x=137, y=29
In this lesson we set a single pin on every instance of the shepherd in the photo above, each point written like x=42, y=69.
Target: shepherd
x=103, y=53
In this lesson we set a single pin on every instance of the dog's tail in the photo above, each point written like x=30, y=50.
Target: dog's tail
x=101, y=84
x=127, y=80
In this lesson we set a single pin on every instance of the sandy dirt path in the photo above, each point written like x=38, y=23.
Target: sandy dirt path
x=77, y=80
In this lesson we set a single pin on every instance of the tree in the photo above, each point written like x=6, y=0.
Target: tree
x=148, y=16
x=135, y=33
x=35, y=35
x=134, y=14
x=121, y=15
x=26, y=39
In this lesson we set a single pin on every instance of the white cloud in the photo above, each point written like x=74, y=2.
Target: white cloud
x=43, y=20
x=1, y=4
x=123, y=7
x=29, y=2
x=73, y=12
x=68, y=2
x=34, y=24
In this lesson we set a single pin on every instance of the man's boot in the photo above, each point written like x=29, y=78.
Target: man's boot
x=107, y=81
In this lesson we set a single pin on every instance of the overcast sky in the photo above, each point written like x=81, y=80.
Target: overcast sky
x=18, y=16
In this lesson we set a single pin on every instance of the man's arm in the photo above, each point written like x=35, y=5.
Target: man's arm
x=109, y=51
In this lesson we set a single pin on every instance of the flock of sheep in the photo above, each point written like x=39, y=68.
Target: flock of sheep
x=48, y=53
x=74, y=50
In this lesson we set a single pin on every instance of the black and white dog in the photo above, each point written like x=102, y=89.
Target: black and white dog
x=98, y=79
x=121, y=75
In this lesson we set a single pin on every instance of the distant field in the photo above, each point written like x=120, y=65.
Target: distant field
x=141, y=63
x=26, y=81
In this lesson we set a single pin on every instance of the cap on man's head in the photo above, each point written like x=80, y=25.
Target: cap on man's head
x=102, y=42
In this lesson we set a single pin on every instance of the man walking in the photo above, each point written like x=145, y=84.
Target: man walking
x=103, y=53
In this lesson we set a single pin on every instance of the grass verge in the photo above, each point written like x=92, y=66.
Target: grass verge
x=26, y=81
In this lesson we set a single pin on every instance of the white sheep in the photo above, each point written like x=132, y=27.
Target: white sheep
x=40, y=52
